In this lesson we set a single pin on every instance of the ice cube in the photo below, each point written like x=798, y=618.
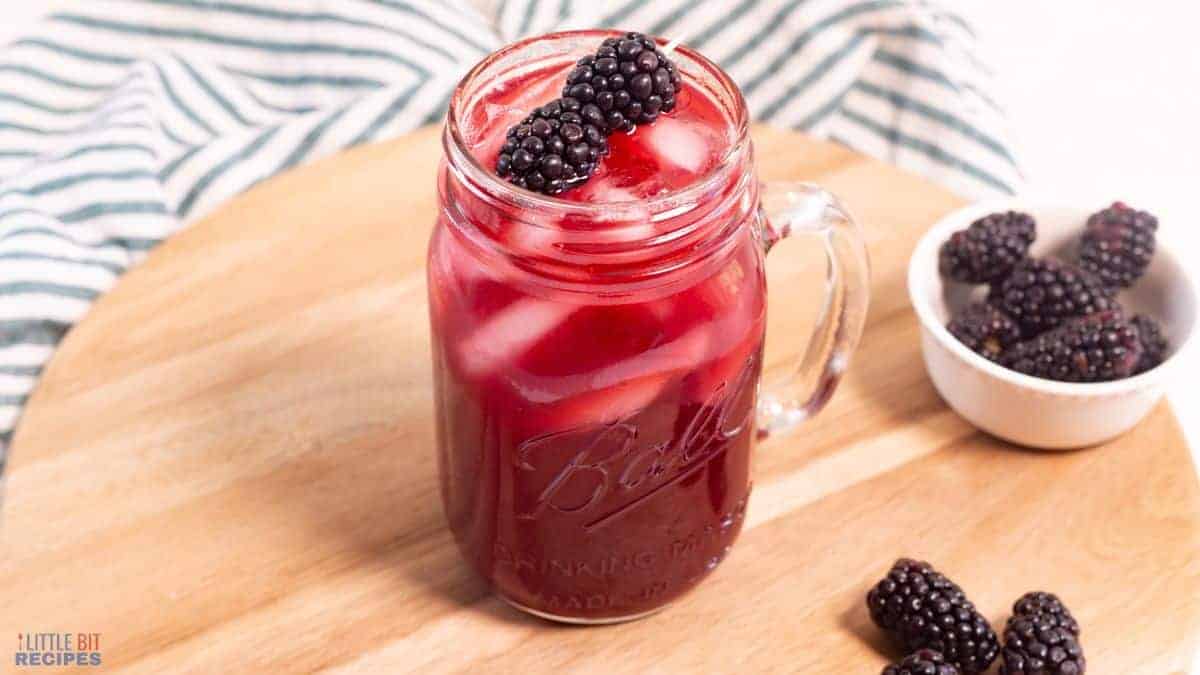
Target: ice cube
x=461, y=268
x=488, y=122
x=505, y=107
x=499, y=112
x=606, y=405
x=683, y=145
x=662, y=309
x=580, y=390
x=725, y=288
x=633, y=233
x=682, y=354
x=604, y=192
x=537, y=91
x=498, y=117
x=530, y=239
x=735, y=329
x=636, y=227
x=509, y=333
x=708, y=381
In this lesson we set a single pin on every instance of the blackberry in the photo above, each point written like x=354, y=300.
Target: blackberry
x=555, y=148
x=625, y=83
x=1035, y=645
x=1096, y=348
x=988, y=249
x=923, y=662
x=628, y=80
x=1154, y=343
x=985, y=330
x=1118, y=244
x=923, y=609
x=1041, y=294
x=1049, y=607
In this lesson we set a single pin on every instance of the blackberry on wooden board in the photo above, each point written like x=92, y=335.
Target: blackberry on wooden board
x=923, y=662
x=1049, y=606
x=1096, y=348
x=985, y=330
x=922, y=609
x=1118, y=244
x=988, y=248
x=1040, y=294
x=1035, y=644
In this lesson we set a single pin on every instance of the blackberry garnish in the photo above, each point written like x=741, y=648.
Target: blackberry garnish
x=625, y=83
x=1041, y=294
x=923, y=662
x=923, y=609
x=1118, y=244
x=985, y=330
x=553, y=149
x=988, y=249
x=1154, y=343
x=1096, y=348
x=1048, y=606
x=628, y=80
x=1035, y=644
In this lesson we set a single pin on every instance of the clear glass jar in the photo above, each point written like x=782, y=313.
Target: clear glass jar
x=597, y=365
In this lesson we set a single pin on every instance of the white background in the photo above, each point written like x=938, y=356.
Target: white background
x=1104, y=97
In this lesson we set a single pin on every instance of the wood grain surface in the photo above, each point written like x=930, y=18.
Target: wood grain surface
x=229, y=468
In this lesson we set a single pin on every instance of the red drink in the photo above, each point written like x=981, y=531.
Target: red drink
x=597, y=355
x=594, y=447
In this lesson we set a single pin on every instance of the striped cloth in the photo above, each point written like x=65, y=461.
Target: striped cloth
x=123, y=120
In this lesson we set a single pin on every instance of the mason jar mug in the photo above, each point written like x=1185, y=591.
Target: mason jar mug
x=597, y=359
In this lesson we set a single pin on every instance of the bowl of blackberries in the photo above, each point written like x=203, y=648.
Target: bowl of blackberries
x=1051, y=327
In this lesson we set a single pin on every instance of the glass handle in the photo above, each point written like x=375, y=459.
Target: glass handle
x=790, y=209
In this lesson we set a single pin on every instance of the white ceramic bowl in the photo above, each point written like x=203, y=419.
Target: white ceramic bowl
x=1027, y=410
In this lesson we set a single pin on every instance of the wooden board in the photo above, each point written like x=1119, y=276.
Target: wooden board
x=229, y=468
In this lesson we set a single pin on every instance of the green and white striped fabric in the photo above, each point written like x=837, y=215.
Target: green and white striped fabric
x=121, y=121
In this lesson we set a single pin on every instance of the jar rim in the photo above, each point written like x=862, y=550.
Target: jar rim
x=490, y=186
